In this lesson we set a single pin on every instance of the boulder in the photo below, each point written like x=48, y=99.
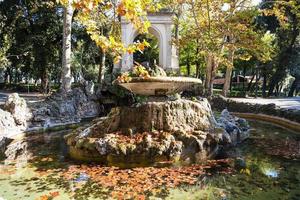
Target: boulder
x=16, y=149
x=4, y=142
x=18, y=108
x=89, y=87
x=114, y=149
x=235, y=129
x=157, y=130
x=66, y=108
x=7, y=123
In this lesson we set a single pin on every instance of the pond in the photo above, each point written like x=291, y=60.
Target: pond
x=265, y=166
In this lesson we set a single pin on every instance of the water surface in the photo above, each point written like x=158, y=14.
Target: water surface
x=266, y=166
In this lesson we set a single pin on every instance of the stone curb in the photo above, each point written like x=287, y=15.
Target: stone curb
x=285, y=123
x=219, y=103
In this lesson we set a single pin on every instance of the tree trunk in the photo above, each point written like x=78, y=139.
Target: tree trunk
x=226, y=85
x=244, y=75
x=188, y=66
x=250, y=83
x=294, y=86
x=15, y=76
x=45, y=81
x=277, y=89
x=256, y=83
x=101, y=69
x=197, y=62
x=230, y=87
x=197, y=69
x=7, y=76
x=264, y=86
x=277, y=77
x=177, y=14
x=211, y=66
x=228, y=76
x=66, y=58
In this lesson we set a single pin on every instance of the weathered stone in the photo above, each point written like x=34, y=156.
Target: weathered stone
x=7, y=123
x=16, y=149
x=157, y=71
x=13, y=120
x=105, y=145
x=168, y=116
x=158, y=130
x=18, y=108
x=66, y=108
x=89, y=88
x=4, y=142
x=235, y=129
x=219, y=103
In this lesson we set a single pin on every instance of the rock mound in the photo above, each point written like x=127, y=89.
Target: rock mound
x=170, y=116
x=65, y=108
x=154, y=131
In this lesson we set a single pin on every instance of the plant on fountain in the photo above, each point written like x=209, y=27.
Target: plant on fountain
x=124, y=78
x=138, y=71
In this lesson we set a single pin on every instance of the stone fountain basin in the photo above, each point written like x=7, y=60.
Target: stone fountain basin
x=159, y=86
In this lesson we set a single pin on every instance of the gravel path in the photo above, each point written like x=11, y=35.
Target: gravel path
x=288, y=103
x=29, y=97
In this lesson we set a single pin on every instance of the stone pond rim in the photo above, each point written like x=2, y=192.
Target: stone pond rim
x=158, y=86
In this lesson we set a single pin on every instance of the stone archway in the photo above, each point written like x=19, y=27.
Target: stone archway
x=154, y=38
x=161, y=28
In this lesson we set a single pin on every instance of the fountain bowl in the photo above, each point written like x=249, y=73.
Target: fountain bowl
x=158, y=86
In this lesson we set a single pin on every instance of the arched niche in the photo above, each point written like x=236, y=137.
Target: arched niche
x=161, y=27
x=155, y=34
x=150, y=55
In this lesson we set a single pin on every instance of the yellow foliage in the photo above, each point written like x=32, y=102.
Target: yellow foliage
x=245, y=171
x=140, y=71
x=124, y=78
x=90, y=15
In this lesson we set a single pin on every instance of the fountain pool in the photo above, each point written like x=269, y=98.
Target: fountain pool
x=271, y=173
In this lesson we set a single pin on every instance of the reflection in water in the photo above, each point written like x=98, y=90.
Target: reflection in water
x=271, y=173
x=82, y=177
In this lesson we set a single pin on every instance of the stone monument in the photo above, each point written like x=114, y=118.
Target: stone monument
x=161, y=28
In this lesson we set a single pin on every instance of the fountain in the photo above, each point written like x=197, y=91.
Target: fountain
x=158, y=86
x=164, y=127
x=160, y=129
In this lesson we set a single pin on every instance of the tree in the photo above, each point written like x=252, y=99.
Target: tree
x=222, y=33
x=216, y=32
x=250, y=44
x=32, y=28
x=243, y=39
x=202, y=21
x=93, y=14
x=286, y=14
x=66, y=76
x=294, y=67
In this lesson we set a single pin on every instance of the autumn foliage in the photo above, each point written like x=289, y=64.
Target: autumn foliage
x=137, y=183
x=94, y=13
